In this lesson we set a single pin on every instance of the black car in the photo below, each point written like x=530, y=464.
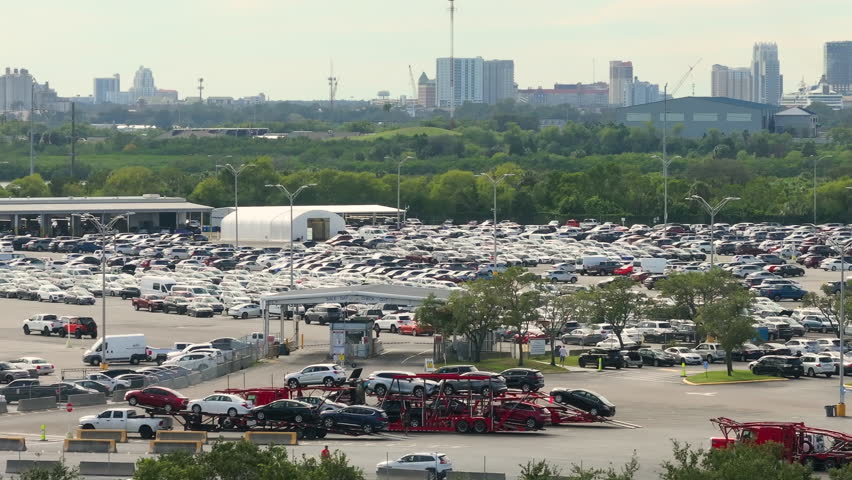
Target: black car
x=776, y=349
x=129, y=292
x=656, y=357
x=96, y=386
x=175, y=304
x=746, y=353
x=789, y=271
x=137, y=380
x=357, y=417
x=483, y=383
x=116, y=372
x=602, y=357
x=526, y=379
x=778, y=365
x=457, y=369
x=585, y=400
x=224, y=264
x=284, y=411
x=63, y=389
x=651, y=281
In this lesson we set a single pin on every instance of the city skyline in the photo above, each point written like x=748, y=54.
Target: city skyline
x=283, y=48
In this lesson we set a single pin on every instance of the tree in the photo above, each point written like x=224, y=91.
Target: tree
x=741, y=461
x=57, y=472
x=438, y=315
x=695, y=289
x=513, y=292
x=476, y=312
x=131, y=181
x=828, y=303
x=615, y=303
x=556, y=310
x=29, y=186
x=727, y=320
x=543, y=470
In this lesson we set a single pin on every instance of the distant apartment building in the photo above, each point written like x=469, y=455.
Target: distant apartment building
x=578, y=95
x=426, y=91
x=20, y=93
x=498, y=78
x=620, y=83
x=767, y=82
x=143, y=84
x=458, y=81
x=107, y=89
x=731, y=82
x=838, y=66
x=644, y=92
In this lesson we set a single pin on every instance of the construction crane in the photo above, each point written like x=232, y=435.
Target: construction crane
x=684, y=77
x=413, y=85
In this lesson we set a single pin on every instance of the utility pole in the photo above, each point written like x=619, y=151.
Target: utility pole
x=332, y=86
x=73, y=137
x=494, y=181
x=236, y=173
x=292, y=198
x=200, y=88
x=712, y=211
x=32, y=114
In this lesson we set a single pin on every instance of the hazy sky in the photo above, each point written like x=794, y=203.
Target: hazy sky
x=283, y=47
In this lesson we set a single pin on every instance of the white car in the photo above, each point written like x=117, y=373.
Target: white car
x=828, y=344
x=611, y=343
x=245, y=310
x=710, y=351
x=328, y=374
x=802, y=346
x=419, y=462
x=220, y=403
x=192, y=361
x=561, y=276
x=50, y=293
x=112, y=383
x=684, y=355
x=40, y=365
x=834, y=264
x=818, y=364
x=393, y=321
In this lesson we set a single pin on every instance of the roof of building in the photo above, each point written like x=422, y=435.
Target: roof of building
x=64, y=205
x=795, y=111
x=725, y=100
x=355, y=294
x=277, y=210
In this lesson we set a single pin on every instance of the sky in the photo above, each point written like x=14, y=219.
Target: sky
x=284, y=48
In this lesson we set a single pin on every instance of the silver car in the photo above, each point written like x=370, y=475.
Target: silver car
x=383, y=382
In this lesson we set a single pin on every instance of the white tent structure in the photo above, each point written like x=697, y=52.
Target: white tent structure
x=272, y=224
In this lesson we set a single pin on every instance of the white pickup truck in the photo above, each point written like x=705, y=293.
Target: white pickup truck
x=125, y=419
x=43, y=323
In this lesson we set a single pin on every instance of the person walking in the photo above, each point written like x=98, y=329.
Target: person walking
x=563, y=352
x=325, y=454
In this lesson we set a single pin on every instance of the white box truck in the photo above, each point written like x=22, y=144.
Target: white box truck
x=157, y=285
x=651, y=265
x=119, y=348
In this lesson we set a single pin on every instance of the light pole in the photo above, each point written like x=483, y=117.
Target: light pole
x=712, y=211
x=236, y=173
x=103, y=229
x=494, y=181
x=666, y=162
x=215, y=164
x=292, y=197
x=398, y=169
x=815, y=181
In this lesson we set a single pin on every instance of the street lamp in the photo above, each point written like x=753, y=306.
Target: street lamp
x=494, y=181
x=216, y=163
x=815, y=181
x=841, y=321
x=236, y=173
x=666, y=162
x=292, y=197
x=712, y=211
x=398, y=169
x=103, y=229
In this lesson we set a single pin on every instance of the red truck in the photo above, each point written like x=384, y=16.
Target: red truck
x=818, y=447
x=150, y=302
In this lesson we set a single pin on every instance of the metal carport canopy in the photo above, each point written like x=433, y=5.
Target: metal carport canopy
x=355, y=294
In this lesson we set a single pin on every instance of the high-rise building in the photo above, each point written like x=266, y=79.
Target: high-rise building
x=731, y=82
x=620, y=83
x=143, y=84
x=107, y=89
x=466, y=85
x=595, y=95
x=16, y=90
x=644, y=92
x=838, y=66
x=498, y=77
x=766, y=74
x=426, y=91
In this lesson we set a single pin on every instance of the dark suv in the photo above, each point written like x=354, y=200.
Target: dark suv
x=607, y=358
x=525, y=379
x=778, y=365
x=457, y=369
x=603, y=268
x=323, y=314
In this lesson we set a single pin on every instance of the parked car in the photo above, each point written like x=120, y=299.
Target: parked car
x=710, y=351
x=457, y=369
x=356, y=417
x=150, y=301
x=107, y=380
x=415, y=329
x=747, y=352
x=78, y=327
x=40, y=365
x=483, y=383
x=328, y=374
x=284, y=411
x=78, y=296
x=43, y=323
x=220, y=404
x=525, y=379
x=10, y=372
x=157, y=397
x=382, y=382
x=778, y=365
x=586, y=400
x=323, y=313
x=601, y=357
x=197, y=309
x=96, y=386
x=175, y=304
x=817, y=364
x=434, y=463
x=783, y=292
x=582, y=336
x=246, y=310
x=126, y=419
x=684, y=355
x=656, y=357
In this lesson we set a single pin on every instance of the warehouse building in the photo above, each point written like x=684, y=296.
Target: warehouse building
x=695, y=116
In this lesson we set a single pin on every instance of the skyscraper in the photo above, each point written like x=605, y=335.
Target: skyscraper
x=620, y=83
x=766, y=74
x=838, y=66
x=107, y=88
x=16, y=90
x=644, y=92
x=426, y=91
x=731, y=82
x=498, y=77
x=143, y=84
x=465, y=87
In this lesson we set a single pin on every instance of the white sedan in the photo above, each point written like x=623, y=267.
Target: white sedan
x=112, y=383
x=422, y=462
x=245, y=310
x=611, y=343
x=220, y=403
x=684, y=355
x=192, y=361
x=40, y=365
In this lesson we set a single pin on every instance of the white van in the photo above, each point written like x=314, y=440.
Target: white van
x=119, y=348
x=158, y=285
x=590, y=261
x=651, y=265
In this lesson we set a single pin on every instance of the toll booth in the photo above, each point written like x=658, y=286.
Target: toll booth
x=352, y=338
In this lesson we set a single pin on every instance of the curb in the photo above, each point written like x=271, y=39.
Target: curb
x=736, y=381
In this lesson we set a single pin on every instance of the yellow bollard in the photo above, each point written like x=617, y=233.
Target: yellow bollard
x=302, y=342
x=841, y=410
x=43, y=433
x=683, y=368
x=600, y=364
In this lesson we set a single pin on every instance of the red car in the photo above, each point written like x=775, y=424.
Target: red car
x=157, y=397
x=415, y=329
x=150, y=302
x=626, y=269
x=531, y=416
